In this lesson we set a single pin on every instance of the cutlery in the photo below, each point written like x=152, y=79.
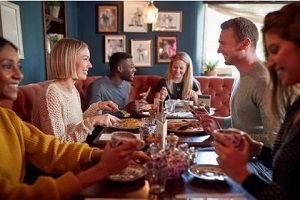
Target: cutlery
x=145, y=94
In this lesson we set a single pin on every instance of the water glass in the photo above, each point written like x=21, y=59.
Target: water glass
x=170, y=106
x=156, y=177
x=147, y=130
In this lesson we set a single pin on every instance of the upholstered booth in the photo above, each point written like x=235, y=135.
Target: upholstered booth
x=218, y=87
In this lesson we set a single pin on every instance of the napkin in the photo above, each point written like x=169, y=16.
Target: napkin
x=106, y=136
x=181, y=114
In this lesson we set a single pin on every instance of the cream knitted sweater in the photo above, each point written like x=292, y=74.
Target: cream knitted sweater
x=59, y=113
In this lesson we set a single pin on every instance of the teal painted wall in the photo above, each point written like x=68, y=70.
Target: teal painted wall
x=82, y=24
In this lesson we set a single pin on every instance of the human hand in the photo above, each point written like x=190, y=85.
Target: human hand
x=115, y=159
x=254, y=146
x=209, y=123
x=108, y=105
x=135, y=106
x=232, y=160
x=191, y=94
x=140, y=158
x=163, y=93
x=106, y=120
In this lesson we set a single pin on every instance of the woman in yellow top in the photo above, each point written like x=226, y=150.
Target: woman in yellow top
x=21, y=142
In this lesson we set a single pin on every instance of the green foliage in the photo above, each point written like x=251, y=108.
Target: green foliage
x=211, y=65
x=53, y=3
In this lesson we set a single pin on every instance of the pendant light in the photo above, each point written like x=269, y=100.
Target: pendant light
x=150, y=13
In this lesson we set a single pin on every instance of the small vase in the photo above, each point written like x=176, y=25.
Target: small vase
x=54, y=11
x=211, y=73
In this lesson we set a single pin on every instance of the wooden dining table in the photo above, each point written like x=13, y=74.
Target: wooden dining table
x=187, y=186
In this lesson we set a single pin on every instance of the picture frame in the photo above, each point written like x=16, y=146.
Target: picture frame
x=168, y=21
x=141, y=51
x=166, y=48
x=107, y=18
x=133, y=17
x=113, y=44
x=10, y=25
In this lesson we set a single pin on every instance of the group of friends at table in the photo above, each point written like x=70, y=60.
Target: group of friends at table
x=264, y=105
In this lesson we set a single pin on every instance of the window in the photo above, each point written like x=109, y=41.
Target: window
x=216, y=14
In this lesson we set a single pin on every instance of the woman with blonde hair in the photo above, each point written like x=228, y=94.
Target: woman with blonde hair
x=57, y=108
x=179, y=82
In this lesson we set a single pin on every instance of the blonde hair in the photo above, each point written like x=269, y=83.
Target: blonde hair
x=188, y=75
x=63, y=56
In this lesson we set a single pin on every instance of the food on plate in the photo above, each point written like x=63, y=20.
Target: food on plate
x=126, y=114
x=183, y=125
x=147, y=107
x=126, y=123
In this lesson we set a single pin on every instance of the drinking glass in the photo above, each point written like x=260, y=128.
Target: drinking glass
x=156, y=177
x=147, y=130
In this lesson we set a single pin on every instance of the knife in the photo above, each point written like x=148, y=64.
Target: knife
x=145, y=95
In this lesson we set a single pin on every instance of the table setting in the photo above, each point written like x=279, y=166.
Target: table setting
x=180, y=168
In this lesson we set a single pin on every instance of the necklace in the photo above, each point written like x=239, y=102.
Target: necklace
x=178, y=86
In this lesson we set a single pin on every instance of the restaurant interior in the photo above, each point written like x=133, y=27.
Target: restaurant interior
x=190, y=26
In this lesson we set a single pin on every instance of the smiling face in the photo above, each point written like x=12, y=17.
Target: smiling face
x=83, y=63
x=178, y=69
x=284, y=59
x=10, y=74
x=228, y=46
x=127, y=69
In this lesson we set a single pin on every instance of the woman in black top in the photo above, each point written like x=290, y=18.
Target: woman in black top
x=179, y=82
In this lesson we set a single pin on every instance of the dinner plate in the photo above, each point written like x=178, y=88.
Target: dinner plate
x=131, y=173
x=207, y=172
x=189, y=130
x=121, y=127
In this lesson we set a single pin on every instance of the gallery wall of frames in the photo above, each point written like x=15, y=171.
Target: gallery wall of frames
x=144, y=50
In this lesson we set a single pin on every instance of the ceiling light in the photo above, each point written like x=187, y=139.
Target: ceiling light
x=150, y=13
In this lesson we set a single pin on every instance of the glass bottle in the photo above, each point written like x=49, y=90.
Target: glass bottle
x=177, y=160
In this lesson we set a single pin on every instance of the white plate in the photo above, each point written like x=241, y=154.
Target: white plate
x=208, y=172
x=131, y=173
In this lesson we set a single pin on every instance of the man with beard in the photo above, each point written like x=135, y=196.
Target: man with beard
x=115, y=87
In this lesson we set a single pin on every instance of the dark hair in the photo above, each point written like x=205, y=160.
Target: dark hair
x=116, y=58
x=284, y=23
x=243, y=28
x=4, y=42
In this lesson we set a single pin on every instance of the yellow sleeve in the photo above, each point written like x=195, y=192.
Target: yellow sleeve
x=21, y=142
x=44, y=188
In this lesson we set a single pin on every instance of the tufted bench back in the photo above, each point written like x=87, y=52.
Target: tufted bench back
x=220, y=90
x=218, y=87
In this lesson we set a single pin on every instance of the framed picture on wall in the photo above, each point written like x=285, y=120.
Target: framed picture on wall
x=166, y=48
x=141, y=51
x=170, y=21
x=10, y=25
x=108, y=18
x=113, y=44
x=133, y=17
